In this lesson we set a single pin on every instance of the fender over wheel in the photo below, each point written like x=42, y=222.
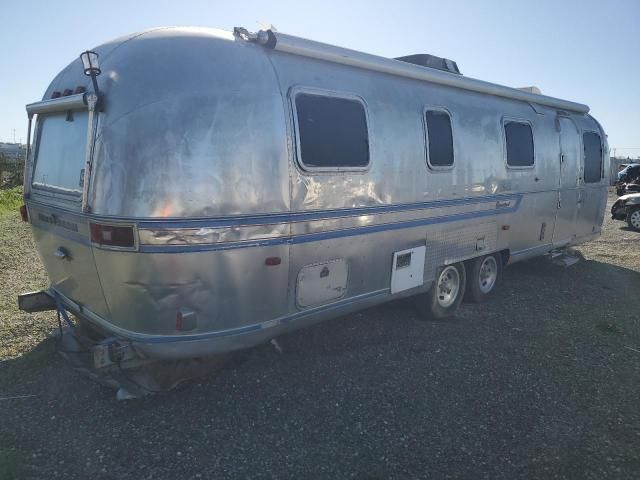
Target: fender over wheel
x=446, y=293
x=483, y=275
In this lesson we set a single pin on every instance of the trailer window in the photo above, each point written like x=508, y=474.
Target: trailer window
x=60, y=153
x=592, y=157
x=440, y=138
x=519, y=138
x=332, y=132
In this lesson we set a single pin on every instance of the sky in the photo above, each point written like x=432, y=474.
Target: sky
x=586, y=51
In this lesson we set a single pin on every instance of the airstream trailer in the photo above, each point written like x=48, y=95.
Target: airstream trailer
x=210, y=190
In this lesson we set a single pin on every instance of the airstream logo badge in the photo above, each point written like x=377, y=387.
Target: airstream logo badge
x=54, y=220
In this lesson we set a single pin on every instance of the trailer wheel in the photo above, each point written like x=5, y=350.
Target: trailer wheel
x=446, y=293
x=484, y=275
x=633, y=218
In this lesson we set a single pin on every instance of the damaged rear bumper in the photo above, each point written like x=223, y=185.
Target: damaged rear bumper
x=105, y=350
x=119, y=346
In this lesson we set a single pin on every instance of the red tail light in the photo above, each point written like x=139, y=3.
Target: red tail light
x=112, y=235
x=272, y=261
x=24, y=213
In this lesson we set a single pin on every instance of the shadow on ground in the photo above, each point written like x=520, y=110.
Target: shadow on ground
x=540, y=382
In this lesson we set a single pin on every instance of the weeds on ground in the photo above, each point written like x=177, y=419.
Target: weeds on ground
x=10, y=199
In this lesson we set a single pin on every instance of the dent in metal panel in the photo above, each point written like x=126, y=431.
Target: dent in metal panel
x=183, y=137
x=226, y=289
x=196, y=236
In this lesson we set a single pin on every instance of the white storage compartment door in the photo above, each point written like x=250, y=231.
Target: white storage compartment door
x=408, y=269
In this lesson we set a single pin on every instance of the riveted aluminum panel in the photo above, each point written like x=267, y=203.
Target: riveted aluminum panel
x=455, y=244
x=75, y=274
x=225, y=289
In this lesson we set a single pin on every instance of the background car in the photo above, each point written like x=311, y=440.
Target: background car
x=627, y=208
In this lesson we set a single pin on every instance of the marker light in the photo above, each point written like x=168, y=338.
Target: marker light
x=112, y=235
x=272, y=261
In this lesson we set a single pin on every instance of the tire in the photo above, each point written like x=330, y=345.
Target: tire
x=446, y=293
x=633, y=218
x=484, y=274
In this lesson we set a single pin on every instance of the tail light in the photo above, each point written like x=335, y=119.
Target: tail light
x=24, y=213
x=112, y=235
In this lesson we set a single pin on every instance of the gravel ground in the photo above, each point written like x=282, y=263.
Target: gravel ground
x=541, y=382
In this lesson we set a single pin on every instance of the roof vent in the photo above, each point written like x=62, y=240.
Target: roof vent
x=431, y=61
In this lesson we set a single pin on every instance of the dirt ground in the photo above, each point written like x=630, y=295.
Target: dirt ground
x=541, y=382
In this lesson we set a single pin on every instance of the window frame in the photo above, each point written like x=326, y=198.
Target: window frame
x=506, y=120
x=54, y=191
x=437, y=108
x=584, y=158
x=298, y=90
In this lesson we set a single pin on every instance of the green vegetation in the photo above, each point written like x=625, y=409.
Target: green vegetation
x=10, y=199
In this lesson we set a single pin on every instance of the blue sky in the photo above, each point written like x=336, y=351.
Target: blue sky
x=587, y=51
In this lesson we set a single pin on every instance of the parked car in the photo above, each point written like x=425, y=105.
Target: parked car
x=627, y=208
x=629, y=173
x=625, y=188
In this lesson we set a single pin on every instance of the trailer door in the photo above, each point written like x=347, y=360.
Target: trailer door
x=593, y=185
x=568, y=183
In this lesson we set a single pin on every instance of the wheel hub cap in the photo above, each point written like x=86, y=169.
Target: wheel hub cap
x=635, y=219
x=448, y=286
x=488, y=274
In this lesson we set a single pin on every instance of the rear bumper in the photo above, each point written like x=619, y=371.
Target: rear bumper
x=190, y=345
x=148, y=346
x=144, y=346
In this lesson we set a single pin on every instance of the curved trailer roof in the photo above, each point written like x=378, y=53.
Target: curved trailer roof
x=322, y=51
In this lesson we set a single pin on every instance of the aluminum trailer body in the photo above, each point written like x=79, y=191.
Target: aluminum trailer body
x=174, y=209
